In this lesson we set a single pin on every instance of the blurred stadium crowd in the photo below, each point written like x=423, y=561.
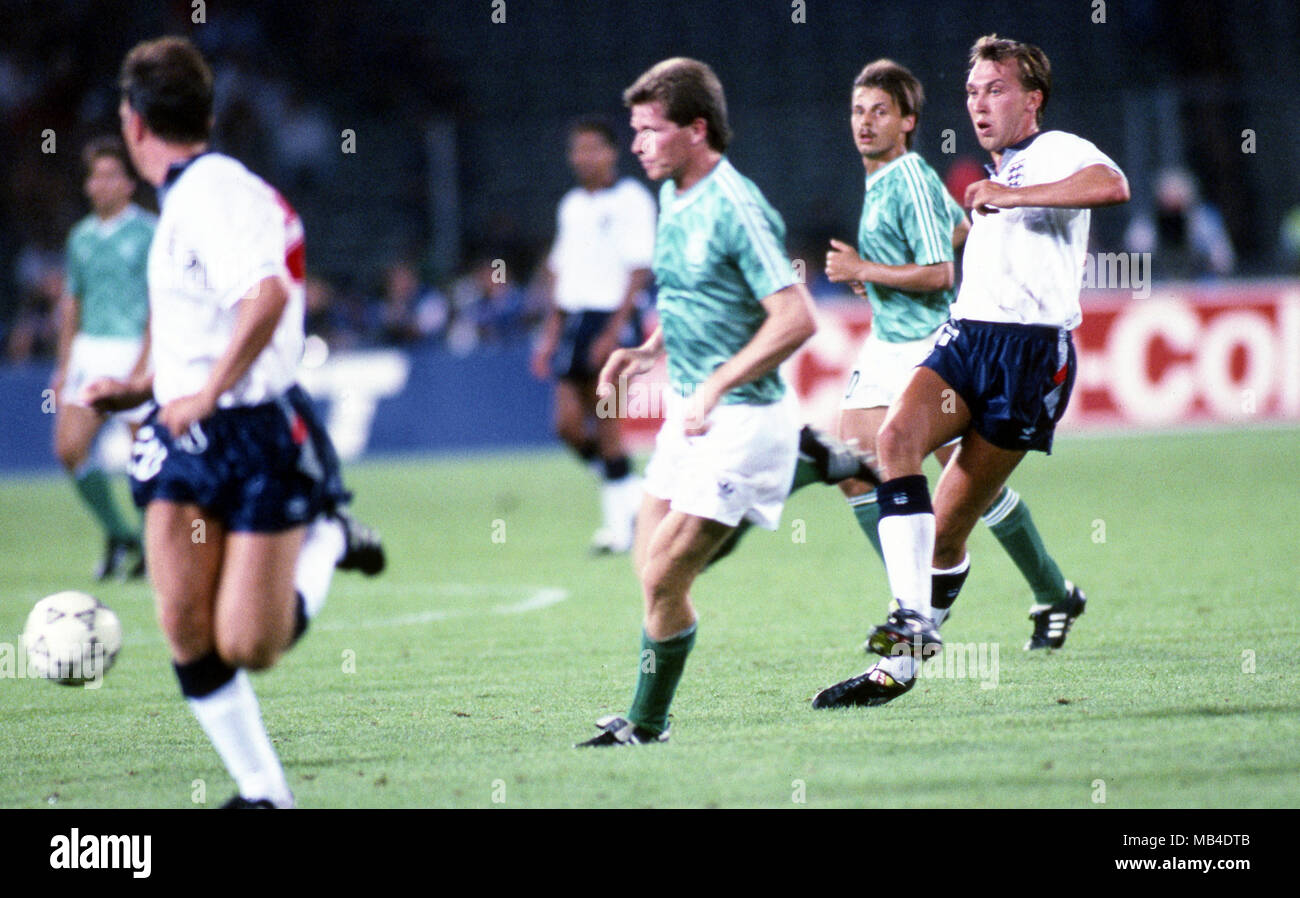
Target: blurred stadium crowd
x=389, y=265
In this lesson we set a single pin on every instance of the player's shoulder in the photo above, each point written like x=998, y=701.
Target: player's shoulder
x=221, y=175
x=141, y=218
x=734, y=191
x=1056, y=143
x=82, y=228
x=632, y=188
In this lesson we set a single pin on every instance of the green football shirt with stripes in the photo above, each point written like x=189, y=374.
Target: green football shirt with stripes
x=106, y=273
x=719, y=251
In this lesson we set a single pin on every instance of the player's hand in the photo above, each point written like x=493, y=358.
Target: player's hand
x=696, y=421
x=859, y=289
x=541, y=361
x=622, y=364
x=843, y=264
x=179, y=415
x=108, y=394
x=989, y=197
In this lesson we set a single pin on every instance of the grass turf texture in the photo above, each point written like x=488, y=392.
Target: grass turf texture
x=437, y=684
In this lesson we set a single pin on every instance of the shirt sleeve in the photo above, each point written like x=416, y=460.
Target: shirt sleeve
x=636, y=227
x=1072, y=154
x=250, y=244
x=73, y=282
x=923, y=217
x=757, y=240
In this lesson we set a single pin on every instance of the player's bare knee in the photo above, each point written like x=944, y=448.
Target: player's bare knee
x=897, y=447
x=249, y=651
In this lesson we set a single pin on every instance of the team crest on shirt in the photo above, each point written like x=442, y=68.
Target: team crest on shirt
x=1015, y=174
x=696, y=250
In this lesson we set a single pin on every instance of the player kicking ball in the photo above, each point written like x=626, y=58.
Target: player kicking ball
x=730, y=311
x=1000, y=375
x=244, y=517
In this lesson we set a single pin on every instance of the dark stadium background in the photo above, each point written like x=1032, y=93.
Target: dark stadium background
x=459, y=123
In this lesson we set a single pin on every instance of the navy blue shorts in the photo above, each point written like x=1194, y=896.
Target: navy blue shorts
x=1015, y=378
x=259, y=468
x=572, y=359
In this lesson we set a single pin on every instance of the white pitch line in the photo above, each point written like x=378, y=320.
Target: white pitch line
x=536, y=598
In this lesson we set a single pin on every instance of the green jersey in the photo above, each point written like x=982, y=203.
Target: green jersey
x=719, y=251
x=908, y=217
x=106, y=272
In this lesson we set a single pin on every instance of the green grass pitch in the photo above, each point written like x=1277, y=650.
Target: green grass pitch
x=462, y=676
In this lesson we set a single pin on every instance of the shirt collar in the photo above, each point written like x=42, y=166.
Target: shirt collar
x=1010, y=150
x=174, y=172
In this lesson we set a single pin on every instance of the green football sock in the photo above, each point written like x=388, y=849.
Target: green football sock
x=867, y=511
x=1011, y=523
x=660, y=670
x=97, y=493
x=805, y=472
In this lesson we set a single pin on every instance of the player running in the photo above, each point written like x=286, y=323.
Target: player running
x=596, y=272
x=1002, y=369
x=904, y=266
x=239, y=482
x=731, y=310
x=103, y=320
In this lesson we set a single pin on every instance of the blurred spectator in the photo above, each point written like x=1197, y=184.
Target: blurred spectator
x=409, y=312
x=1185, y=235
x=963, y=172
x=1289, y=241
x=487, y=307
x=34, y=331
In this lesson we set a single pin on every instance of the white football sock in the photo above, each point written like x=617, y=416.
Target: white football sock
x=901, y=667
x=322, y=548
x=233, y=722
x=907, y=542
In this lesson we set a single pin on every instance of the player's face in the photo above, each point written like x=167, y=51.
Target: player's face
x=107, y=185
x=592, y=158
x=1001, y=110
x=663, y=147
x=879, y=129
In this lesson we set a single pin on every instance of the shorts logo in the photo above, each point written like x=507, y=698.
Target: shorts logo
x=194, y=441
x=726, y=488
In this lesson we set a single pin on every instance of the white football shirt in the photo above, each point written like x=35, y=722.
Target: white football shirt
x=221, y=230
x=601, y=238
x=1025, y=265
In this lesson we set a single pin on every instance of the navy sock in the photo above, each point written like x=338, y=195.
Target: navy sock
x=299, y=618
x=203, y=676
x=588, y=451
x=617, y=468
x=904, y=496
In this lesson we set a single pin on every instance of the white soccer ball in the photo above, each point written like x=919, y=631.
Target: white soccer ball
x=71, y=638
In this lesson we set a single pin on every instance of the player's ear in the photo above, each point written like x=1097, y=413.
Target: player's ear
x=699, y=131
x=909, y=124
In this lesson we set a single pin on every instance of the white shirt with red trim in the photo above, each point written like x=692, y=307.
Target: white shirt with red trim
x=1025, y=265
x=222, y=230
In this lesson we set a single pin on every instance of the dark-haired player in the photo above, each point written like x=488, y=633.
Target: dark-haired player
x=1002, y=369
x=598, y=268
x=240, y=484
x=103, y=320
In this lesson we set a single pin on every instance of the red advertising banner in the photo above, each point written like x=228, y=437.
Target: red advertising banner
x=1187, y=355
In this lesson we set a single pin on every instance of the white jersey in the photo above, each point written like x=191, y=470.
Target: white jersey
x=601, y=238
x=221, y=230
x=1025, y=265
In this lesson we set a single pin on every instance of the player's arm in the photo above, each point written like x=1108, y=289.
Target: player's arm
x=552, y=326
x=788, y=326
x=68, y=320
x=1089, y=188
x=258, y=314
x=959, y=234
x=845, y=266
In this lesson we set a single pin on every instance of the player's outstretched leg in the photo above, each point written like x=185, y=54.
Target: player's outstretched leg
x=1057, y=601
x=896, y=674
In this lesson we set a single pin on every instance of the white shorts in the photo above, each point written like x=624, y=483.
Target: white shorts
x=882, y=370
x=94, y=357
x=741, y=467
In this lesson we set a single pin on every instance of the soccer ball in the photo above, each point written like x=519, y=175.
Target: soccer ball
x=71, y=638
